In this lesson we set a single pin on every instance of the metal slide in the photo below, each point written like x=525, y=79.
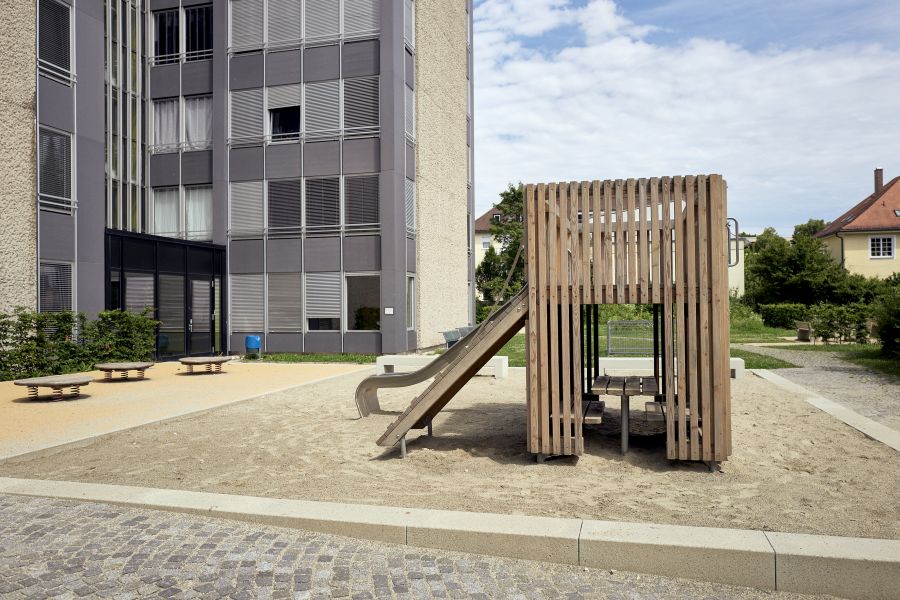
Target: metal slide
x=450, y=370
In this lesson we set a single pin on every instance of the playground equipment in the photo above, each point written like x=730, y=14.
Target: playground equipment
x=660, y=241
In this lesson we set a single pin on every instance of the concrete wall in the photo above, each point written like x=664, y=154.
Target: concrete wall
x=736, y=273
x=856, y=253
x=441, y=169
x=18, y=198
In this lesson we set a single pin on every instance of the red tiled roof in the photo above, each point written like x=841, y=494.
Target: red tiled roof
x=483, y=223
x=878, y=212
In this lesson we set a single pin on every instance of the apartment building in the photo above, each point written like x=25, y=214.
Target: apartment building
x=295, y=169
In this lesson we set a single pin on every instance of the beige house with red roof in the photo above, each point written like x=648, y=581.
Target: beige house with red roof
x=864, y=239
x=483, y=237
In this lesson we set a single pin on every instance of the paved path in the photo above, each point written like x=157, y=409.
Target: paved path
x=866, y=392
x=65, y=549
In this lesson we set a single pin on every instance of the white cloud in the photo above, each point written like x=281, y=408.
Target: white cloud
x=795, y=132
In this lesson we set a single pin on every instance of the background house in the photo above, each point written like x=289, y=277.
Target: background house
x=864, y=239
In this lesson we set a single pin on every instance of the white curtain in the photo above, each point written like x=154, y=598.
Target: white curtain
x=198, y=122
x=198, y=205
x=165, y=125
x=165, y=212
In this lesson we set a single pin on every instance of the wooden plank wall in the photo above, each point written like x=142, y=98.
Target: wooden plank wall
x=661, y=241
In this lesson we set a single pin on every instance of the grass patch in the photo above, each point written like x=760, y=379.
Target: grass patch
x=742, y=333
x=753, y=360
x=864, y=355
x=316, y=357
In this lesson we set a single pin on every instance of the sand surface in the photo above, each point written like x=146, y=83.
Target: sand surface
x=794, y=468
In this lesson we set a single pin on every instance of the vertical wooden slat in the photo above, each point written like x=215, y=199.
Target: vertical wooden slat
x=690, y=245
x=631, y=245
x=582, y=278
x=553, y=279
x=619, y=245
x=666, y=281
x=565, y=276
x=643, y=264
x=597, y=256
x=705, y=364
x=721, y=373
x=609, y=271
x=584, y=235
x=542, y=284
x=680, y=349
x=655, y=241
x=531, y=327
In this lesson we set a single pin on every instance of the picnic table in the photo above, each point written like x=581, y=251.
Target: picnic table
x=123, y=368
x=625, y=387
x=57, y=383
x=213, y=364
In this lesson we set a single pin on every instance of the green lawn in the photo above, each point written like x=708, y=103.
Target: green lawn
x=305, y=357
x=864, y=355
x=753, y=360
x=742, y=333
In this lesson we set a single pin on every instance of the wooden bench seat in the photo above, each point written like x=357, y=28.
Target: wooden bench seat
x=123, y=368
x=213, y=364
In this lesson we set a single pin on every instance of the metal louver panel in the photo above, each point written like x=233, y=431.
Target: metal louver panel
x=201, y=313
x=361, y=16
x=361, y=103
x=246, y=23
x=410, y=111
x=284, y=21
x=285, y=301
x=410, y=202
x=323, y=295
x=282, y=96
x=55, y=169
x=361, y=200
x=247, y=309
x=323, y=200
x=55, y=287
x=409, y=22
x=139, y=289
x=323, y=19
x=247, y=114
x=171, y=303
x=54, y=37
x=284, y=203
x=322, y=107
x=247, y=207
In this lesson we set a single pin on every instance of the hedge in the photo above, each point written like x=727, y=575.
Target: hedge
x=33, y=344
x=840, y=323
x=783, y=315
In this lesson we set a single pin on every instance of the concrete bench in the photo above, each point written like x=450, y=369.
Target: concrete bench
x=122, y=368
x=56, y=383
x=644, y=364
x=387, y=364
x=213, y=364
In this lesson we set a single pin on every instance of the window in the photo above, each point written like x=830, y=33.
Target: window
x=246, y=24
x=361, y=105
x=361, y=200
x=897, y=213
x=247, y=115
x=285, y=299
x=410, y=112
x=323, y=301
x=323, y=19
x=198, y=205
x=284, y=204
x=139, y=292
x=165, y=37
x=54, y=41
x=496, y=218
x=409, y=23
x=410, y=302
x=361, y=16
x=410, y=202
x=881, y=247
x=247, y=308
x=363, y=302
x=165, y=125
x=55, y=170
x=284, y=112
x=323, y=199
x=198, y=122
x=246, y=208
x=322, y=108
x=198, y=36
x=55, y=287
x=284, y=22
x=485, y=244
x=165, y=209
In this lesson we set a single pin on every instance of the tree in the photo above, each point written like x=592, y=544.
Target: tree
x=810, y=228
x=491, y=274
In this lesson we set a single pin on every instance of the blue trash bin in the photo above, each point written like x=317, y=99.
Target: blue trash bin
x=252, y=344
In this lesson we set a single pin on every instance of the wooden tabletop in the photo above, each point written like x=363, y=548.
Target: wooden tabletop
x=204, y=360
x=631, y=385
x=55, y=380
x=123, y=366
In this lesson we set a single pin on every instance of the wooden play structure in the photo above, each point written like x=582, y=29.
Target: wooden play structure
x=660, y=242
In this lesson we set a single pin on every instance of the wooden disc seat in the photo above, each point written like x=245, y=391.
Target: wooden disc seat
x=123, y=368
x=57, y=383
x=213, y=364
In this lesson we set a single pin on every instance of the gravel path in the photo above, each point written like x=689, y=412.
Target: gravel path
x=67, y=549
x=866, y=392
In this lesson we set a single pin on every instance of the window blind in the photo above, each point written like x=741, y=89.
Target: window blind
x=410, y=202
x=285, y=301
x=410, y=111
x=323, y=295
x=55, y=287
x=246, y=23
x=283, y=96
x=284, y=21
x=53, y=39
x=139, y=291
x=409, y=23
x=322, y=107
x=361, y=16
x=323, y=198
x=247, y=115
x=361, y=200
x=361, y=103
x=323, y=19
x=247, y=308
x=246, y=207
x=55, y=169
x=171, y=312
x=284, y=203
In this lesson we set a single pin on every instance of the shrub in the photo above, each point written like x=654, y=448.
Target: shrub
x=840, y=323
x=782, y=315
x=33, y=344
x=887, y=320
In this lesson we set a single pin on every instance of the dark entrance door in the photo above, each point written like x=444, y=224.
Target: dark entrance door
x=200, y=321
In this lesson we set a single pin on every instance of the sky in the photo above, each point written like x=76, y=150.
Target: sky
x=793, y=102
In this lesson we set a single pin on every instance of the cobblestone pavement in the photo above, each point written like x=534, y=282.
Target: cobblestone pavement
x=67, y=549
x=866, y=392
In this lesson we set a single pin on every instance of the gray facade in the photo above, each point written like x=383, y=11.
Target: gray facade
x=280, y=131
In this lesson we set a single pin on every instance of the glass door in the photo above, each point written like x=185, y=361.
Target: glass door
x=200, y=323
